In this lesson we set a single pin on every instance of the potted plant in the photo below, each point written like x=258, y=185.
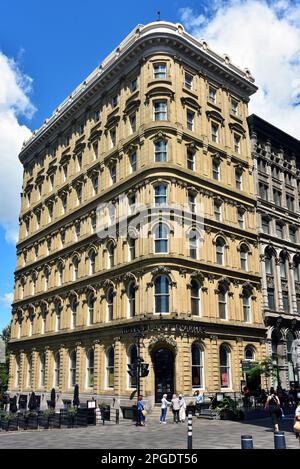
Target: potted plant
x=44, y=418
x=32, y=420
x=71, y=411
x=226, y=409
x=7, y=422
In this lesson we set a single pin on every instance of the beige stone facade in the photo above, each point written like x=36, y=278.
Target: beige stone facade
x=161, y=125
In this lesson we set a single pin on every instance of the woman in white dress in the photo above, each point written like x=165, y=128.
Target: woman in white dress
x=182, y=408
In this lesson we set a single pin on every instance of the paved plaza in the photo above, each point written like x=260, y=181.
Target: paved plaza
x=210, y=434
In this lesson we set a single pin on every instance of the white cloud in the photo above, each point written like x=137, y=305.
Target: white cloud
x=264, y=37
x=7, y=299
x=14, y=102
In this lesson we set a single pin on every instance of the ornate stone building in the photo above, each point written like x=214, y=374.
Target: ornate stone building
x=160, y=128
x=277, y=159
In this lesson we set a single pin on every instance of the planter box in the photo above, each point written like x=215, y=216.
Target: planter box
x=10, y=425
x=32, y=422
x=54, y=421
x=44, y=422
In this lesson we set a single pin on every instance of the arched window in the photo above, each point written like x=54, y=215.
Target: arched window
x=160, y=151
x=282, y=264
x=160, y=195
x=249, y=353
x=110, y=304
x=195, y=298
x=268, y=262
x=220, y=243
x=161, y=235
x=31, y=317
x=162, y=295
x=296, y=269
x=46, y=280
x=131, y=248
x=225, y=371
x=292, y=369
x=197, y=366
x=222, y=301
x=244, y=257
x=111, y=255
x=29, y=371
x=90, y=368
x=75, y=264
x=73, y=313
x=193, y=244
x=42, y=369
x=57, y=316
x=132, y=360
x=246, y=307
x=110, y=367
x=92, y=262
x=131, y=299
x=57, y=370
x=90, y=312
x=43, y=318
x=72, y=368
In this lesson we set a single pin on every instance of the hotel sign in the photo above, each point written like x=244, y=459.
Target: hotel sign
x=169, y=327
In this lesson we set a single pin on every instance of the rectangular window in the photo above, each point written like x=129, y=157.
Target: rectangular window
x=265, y=225
x=216, y=169
x=285, y=301
x=292, y=233
x=133, y=162
x=131, y=204
x=133, y=85
x=217, y=211
x=188, y=81
x=79, y=162
x=222, y=305
x=190, y=160
x=113, y=174
x=234, y=107
x=279, y=230
x=132, y=121
x=190, y=116
x=95, y=151
x=271, y=299
x=212, y=95
x=215, y=132
x=160, y=110
x=50, y=212
x=192, y=202
x=81, y=128
x=51, y=179
x=290, y=202
x=95, y=183
x=113, y=137
x=77, y=231
x=96, y=115
x=298, y=303
x=65, y=172
x=160, y=70
x=114, y=101
x=237, y=143
x=238, y=179
x=262, y=165
x=276, y=197
x=79, y=194
x=263, y=191
x=241, y=218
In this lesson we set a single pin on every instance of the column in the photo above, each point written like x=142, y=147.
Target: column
x=278, y=286
x=292, y=289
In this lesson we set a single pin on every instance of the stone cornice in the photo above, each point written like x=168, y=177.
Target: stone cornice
x=160, y=35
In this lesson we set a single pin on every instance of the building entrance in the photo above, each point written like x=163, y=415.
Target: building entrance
x=163, y=361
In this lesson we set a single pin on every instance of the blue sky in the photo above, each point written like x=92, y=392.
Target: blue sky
x=58, y=44
x=48, y=48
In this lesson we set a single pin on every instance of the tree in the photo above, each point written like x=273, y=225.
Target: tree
x=4, y=367
x=265, y=367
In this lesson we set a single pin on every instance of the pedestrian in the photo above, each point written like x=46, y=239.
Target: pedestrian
x=273, y=405
x=141, y=412
x=175, y=407
x=164, y=408
x=182, y=408
x=297, y=420
x=199, y=400
x=246, y=398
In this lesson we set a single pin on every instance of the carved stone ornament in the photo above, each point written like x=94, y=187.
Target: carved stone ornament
x=162, y=338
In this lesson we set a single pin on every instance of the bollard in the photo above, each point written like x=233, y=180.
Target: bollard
x=247, y=442
x=103, y=417
x=117, y=416
x=190, y=432
x=279, y=440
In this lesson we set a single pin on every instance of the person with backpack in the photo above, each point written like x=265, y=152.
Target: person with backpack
x=273, y=405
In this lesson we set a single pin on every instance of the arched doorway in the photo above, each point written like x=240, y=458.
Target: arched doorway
x=163, y=363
